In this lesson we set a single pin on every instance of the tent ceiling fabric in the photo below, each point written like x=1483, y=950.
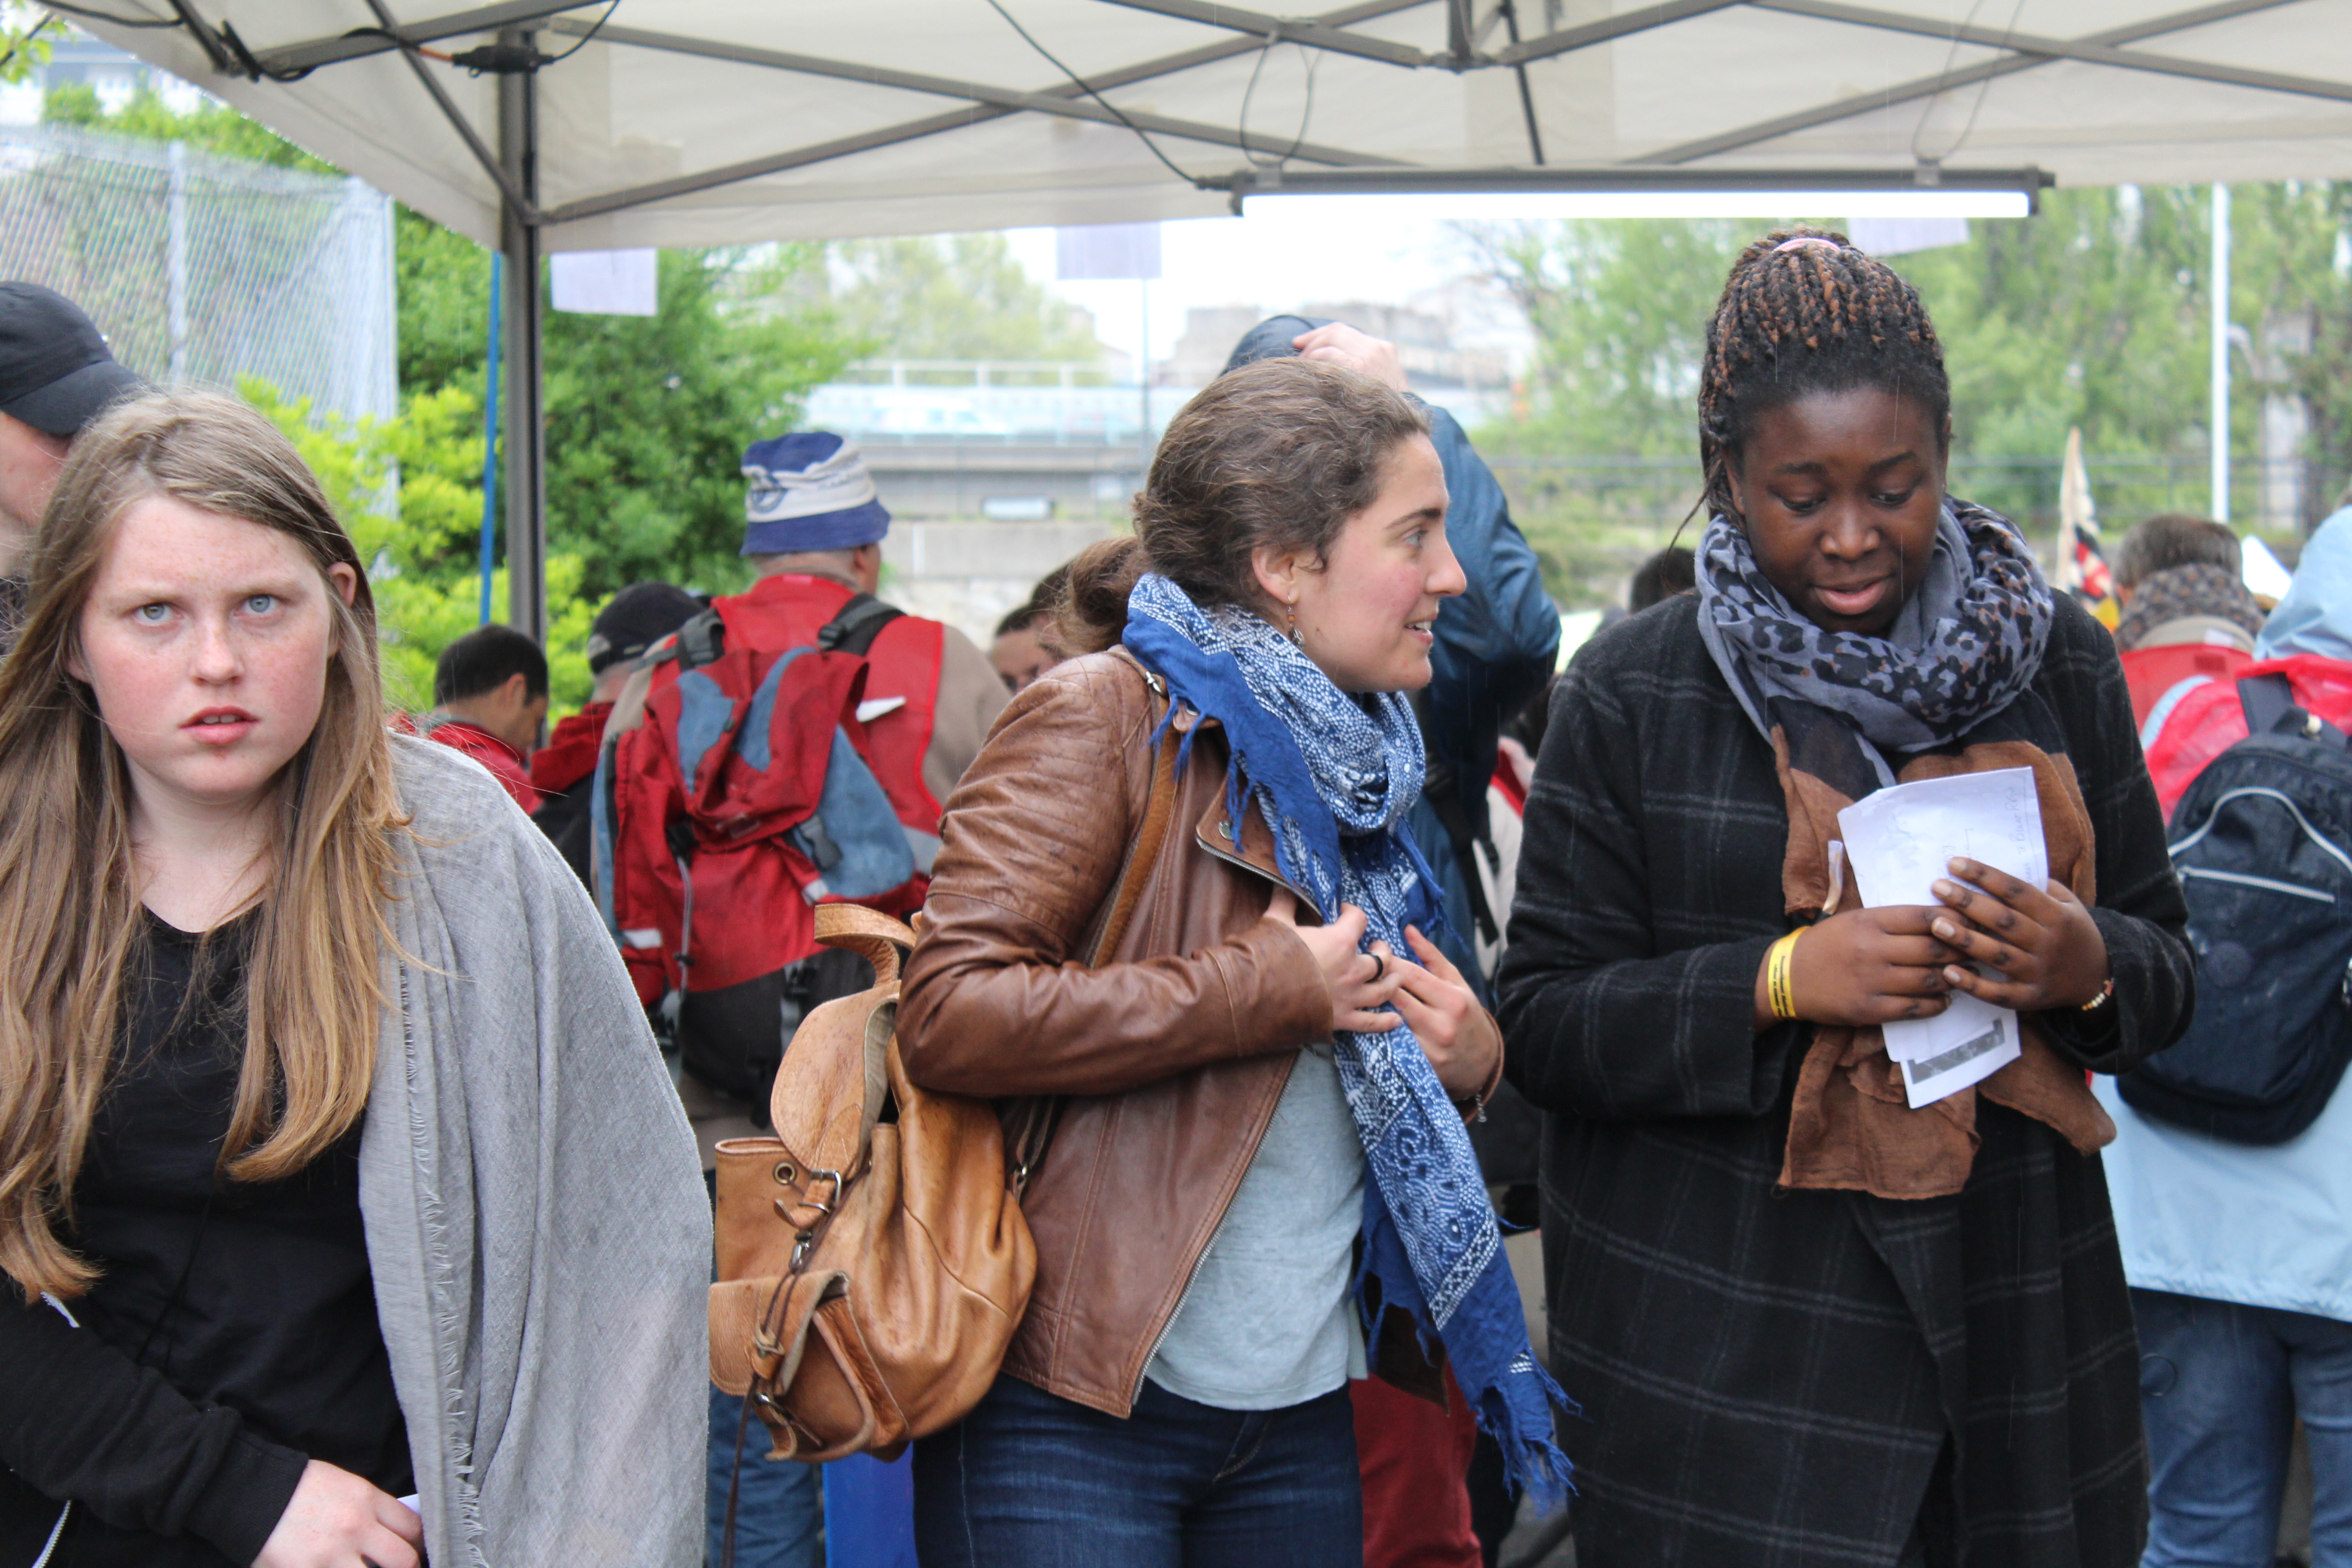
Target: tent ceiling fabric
x=929, y=115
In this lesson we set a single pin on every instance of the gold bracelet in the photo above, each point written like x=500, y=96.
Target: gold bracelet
x=1778, y=991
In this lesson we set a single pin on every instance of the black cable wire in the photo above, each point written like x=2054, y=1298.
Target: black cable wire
x=585, y=37
x=1080, y=82
x=90, y=14
x=1313, y=58
x=1249, y=92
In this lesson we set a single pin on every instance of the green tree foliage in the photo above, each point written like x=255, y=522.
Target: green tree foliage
x=957, y=296
x=212, y=125
x=24, y=44
x=1619, y=311
x=646, y=417
x=2093, y=313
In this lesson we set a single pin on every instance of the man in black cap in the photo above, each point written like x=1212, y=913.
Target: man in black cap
x=56, y=374
x=635, y=618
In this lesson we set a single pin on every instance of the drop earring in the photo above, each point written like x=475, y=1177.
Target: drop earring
x=1296, y=641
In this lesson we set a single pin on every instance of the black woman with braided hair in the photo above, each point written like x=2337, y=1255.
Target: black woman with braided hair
x=1809, y=1324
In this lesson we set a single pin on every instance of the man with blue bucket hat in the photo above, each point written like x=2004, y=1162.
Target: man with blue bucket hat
x=813, y=533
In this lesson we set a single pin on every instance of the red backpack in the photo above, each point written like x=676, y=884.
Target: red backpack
x=743, y=799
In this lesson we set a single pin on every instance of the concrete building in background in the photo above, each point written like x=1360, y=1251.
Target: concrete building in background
x=1425, y=340
x=1000, y=472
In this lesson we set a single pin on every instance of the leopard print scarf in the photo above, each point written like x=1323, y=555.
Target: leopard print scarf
x=1966, y=642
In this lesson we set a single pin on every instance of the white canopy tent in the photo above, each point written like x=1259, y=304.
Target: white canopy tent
x=688, y=122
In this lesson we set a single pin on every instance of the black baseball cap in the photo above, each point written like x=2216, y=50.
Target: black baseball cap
x=56, y=371
x=1270, y=339
x=638, y=616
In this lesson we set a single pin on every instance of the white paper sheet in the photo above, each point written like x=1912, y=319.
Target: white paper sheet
x=1977, y=1057
x=1900, y=842
x=604, y=282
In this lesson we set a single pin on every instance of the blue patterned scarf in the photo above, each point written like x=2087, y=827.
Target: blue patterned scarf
x=1334, y=777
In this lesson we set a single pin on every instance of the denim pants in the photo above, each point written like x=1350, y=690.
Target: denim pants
x=1033, y=1480
x=777, y=1521
x=2220, y=1384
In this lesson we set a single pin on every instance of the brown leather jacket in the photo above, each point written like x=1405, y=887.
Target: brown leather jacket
x=1172, y=1054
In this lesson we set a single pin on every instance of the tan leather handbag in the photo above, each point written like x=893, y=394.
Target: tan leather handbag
x=873, y=1262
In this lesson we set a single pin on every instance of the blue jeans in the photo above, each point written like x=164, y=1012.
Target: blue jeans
x=1033, y=1480
x=777, y=1520
x=2221, y=1384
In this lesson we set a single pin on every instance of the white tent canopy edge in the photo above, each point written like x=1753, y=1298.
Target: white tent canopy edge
x=713, y=121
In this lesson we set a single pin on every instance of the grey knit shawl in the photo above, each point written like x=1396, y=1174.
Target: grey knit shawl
x=535, y=1215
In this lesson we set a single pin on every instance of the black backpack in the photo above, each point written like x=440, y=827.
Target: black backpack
x=2260, y=844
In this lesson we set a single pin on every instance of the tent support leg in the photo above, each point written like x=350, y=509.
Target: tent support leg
x=526, y=421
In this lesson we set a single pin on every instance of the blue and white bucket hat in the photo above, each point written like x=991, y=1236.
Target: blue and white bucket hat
x=809, y=490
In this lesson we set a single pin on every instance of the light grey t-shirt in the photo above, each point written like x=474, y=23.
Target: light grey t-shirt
x=1267, y=1322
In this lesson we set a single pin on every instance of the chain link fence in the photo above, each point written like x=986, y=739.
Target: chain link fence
x=201, y=268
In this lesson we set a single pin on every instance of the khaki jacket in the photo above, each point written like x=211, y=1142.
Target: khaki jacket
x=1170, y=1055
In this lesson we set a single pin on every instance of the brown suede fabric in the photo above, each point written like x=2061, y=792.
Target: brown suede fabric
x=1851, y=1125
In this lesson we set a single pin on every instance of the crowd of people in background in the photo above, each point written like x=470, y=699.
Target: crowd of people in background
x=1331, y=922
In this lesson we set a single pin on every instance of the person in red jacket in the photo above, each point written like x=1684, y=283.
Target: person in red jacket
x=490, y=698
x=2308, y=639
x=635, y=618
x=2186, y=613
x=813, y=535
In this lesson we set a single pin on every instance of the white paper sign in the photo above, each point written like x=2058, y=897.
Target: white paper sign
x=603, y=282
x=1900, y=842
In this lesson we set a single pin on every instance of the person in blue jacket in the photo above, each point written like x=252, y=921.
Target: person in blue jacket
x=2239, y=1256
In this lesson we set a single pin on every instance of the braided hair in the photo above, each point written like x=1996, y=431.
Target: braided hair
x=1803, y=312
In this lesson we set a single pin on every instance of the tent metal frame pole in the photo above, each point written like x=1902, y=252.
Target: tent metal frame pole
x=933, y=125
x=1065, y=106
x=1641, y=19
x=1314, y=32
x=1928, y=87
x=509, y=193
x=2061, y=48
x=358, y=45
x=526, y=422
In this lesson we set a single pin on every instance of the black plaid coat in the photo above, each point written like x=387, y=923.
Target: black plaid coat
x=1781, y=1379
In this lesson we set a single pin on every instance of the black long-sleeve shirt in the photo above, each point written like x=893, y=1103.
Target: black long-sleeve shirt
x=232, y=1335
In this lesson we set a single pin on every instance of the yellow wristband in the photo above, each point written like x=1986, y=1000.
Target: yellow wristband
x=1778, y=991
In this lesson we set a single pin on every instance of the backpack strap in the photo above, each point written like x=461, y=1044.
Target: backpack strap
x=856, y=625
x=2271, y=709
x=701, y=640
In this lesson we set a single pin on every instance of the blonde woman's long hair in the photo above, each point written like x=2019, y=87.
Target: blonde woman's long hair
x=70, y=917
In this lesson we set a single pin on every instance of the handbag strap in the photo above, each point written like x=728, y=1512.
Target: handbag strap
x=1035, y=1129
x=1159, y=813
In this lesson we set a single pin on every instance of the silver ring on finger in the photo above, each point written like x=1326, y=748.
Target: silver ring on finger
x=1379, y=967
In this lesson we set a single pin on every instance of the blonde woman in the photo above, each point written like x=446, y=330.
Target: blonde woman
x=349, y=1214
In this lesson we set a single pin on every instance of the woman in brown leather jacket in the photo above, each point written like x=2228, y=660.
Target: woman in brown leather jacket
x=1258, y=1150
